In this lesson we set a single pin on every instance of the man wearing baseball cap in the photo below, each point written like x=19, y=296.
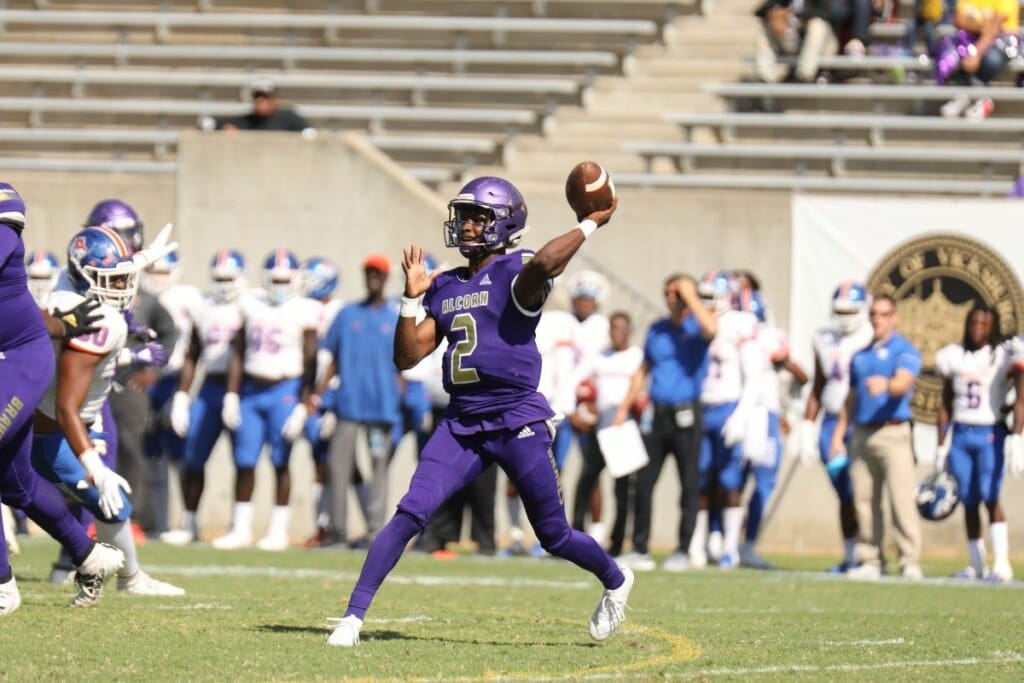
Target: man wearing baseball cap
x=267, y=112
x=368, y=394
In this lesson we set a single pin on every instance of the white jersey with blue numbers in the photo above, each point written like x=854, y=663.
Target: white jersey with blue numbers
x=274, y=335
x=834, y=351
x=724, y=381
x=216, y=324
x=106, y=343
x=179, y=301
x=774, y=347
x=980, y=380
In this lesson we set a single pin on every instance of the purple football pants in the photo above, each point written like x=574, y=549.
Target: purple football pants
x=25, y=373
x=449, y=462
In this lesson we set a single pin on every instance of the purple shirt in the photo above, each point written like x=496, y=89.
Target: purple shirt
x=20, y=320
x=491, y=366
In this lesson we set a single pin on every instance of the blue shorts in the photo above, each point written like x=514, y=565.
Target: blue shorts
x=264, y=412
x=160, y=439
x=718, y=462
x=976, y=462
x=54, y=460
x=205, y=424
x=841, y=482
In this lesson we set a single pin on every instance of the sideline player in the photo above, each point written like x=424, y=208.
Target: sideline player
x=488, y=311
x=972, y=430
x=834, y=347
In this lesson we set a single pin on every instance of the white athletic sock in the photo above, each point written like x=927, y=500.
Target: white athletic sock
x=188, y=522
x=732, y=525
x=976, y=551
x=999, y=533
x=119, y=535
x=850, y=551
x=700, y=533
x=279, y=518
x=242, y=523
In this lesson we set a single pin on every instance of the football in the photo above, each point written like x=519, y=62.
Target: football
x=589, y=188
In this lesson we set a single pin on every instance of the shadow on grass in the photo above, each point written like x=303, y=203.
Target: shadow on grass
x=373, y=634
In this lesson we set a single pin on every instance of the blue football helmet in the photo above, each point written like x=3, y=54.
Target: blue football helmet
x=118, y=216
x=100, y=265
x=589, y=284
x=320, y=277
x=43, y=271
x=937, y=496
x=161, y=274
x=717, y=289
x=227, y=275
x=850, y=304
x=752, y=302
x=281, y=275
x=501, y=202
x=12, y=207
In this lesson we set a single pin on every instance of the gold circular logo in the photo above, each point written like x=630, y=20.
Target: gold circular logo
x=935, y=281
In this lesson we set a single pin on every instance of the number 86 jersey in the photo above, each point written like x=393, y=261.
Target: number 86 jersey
x=980, y=381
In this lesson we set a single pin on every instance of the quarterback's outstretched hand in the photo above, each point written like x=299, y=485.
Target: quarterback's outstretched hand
x=414, y=265
x=604, y=215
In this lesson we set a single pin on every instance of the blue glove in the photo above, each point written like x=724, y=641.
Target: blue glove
x=836, y=465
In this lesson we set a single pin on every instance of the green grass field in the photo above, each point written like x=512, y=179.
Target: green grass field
x=258, y=616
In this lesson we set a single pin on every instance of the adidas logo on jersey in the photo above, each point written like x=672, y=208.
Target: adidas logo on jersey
x=486, y=279
x=525, y=433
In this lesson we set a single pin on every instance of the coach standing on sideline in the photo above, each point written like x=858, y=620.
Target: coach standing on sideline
x=882, y=382
x=676, y=360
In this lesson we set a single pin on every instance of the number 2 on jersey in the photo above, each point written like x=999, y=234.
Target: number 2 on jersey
x=460, y=375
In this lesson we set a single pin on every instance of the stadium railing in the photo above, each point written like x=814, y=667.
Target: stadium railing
x=795, y=183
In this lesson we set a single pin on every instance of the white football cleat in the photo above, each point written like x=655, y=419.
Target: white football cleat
x=90, y=576
x=233, y=541
x=273, y=543
x=10, y=598
x=346, y=632
x=638, y=562
x=611, y=610
x=716, y=546
x=677, y=562
x=142, y=583
x=1001, y=573
x=10, y=531
x=968, y=573
x=177, y=537
x=865, y=572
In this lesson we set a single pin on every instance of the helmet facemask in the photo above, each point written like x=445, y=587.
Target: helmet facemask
x=116, y=287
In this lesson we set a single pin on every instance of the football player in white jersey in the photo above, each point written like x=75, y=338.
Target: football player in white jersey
x=161, y=279
x=834, y=347
x=762, y=447
x=43, y=270
x=70, y=437
x=729, y=393
x=215, y=322
x=320, y=279
x=270, y=379
x=972, y=429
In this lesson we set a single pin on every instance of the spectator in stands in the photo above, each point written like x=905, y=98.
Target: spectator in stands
x=852, y=18
x=267, y=112
x=794, y=28
x=986, y=41
x=881, y=385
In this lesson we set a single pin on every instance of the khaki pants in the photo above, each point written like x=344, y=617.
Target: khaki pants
x=883, y=459
x=819, y=40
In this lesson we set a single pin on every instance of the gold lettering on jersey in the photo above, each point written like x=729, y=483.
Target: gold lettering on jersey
x=465, y=302
x=936, y=280
x=10, y=412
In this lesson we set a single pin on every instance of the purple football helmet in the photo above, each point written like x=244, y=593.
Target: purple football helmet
x=507, y=216
x=118, y=216
x=12, y=207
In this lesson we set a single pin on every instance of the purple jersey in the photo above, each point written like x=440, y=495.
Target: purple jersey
x=20, y=320
x=491, y=366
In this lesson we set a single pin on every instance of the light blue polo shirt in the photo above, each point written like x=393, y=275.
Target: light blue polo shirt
x=883, y=359
x=678, y=358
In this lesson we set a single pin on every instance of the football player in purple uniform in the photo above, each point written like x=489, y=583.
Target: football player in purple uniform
x=488, y=312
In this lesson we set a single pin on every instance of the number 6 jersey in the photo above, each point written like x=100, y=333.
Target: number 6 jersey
x=980, y=381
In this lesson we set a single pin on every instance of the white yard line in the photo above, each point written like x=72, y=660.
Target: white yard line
x=865, y=643
x=996, y=658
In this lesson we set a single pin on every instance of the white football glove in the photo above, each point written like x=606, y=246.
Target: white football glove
x=809, y=454
x=1013, y=453
x=231, y=412
x=735, y=429
x=327, y=425
x=108, y=482
x=942, y=452
x=181, y=406
x=155, y=250
x=296, y=422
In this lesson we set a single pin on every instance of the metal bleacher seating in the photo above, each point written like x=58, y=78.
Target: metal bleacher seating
x=440, y=85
